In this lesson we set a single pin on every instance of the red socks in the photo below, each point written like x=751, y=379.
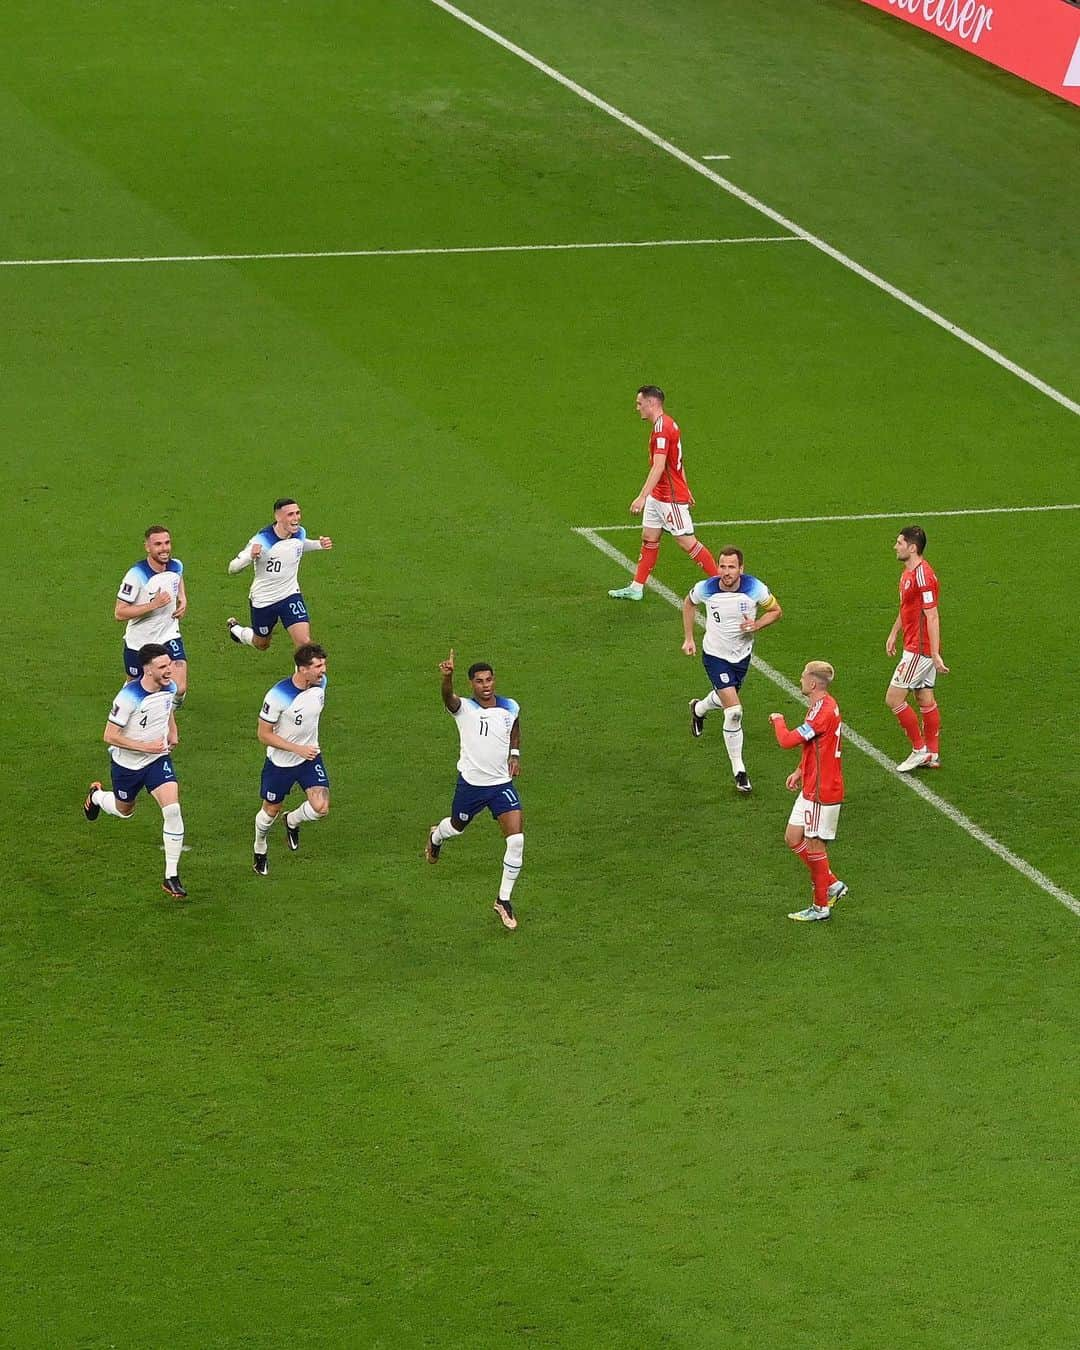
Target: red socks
x=819, y=869
x=704, y=559
x=931, y=724
x=910, y=723
x=646, y=562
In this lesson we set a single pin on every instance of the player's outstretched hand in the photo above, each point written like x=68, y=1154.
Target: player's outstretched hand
x=325, y=541
x=447, y=667
x=794, y=780
x=256, y=549
x=690, y=647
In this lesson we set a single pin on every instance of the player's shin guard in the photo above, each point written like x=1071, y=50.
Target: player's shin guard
x=512, y=858
x=905, y=715
x=304, y=812
x=818, y=862
x=646, y=562
x=704, y=559
x=931, y=725
x=733, y=737
x=107, y=802
x=263, y=825
x=172, y=836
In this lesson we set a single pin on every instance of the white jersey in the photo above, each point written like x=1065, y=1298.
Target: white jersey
x=294, y=715
x=142, y=717
x=485, y=740
x=276, y=567
x=725, y=612
x=139, y=586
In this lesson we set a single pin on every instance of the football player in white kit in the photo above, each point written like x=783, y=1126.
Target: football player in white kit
x=152, y=600
x=289, y=728
x=275, y=596
x=737, y=607
x=489, y=728
x=140, y=734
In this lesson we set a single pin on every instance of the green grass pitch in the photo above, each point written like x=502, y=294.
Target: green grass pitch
x=340, y=1106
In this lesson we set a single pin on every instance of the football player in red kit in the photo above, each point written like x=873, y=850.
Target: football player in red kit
x=819, y=780
x=665, y=498
x=920, y=662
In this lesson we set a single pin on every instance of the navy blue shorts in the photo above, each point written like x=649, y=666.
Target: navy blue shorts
x=277, y=782
x=174, y=646
x=286, y=612
x=470, y=801
x=128, y=783
x=724, y=674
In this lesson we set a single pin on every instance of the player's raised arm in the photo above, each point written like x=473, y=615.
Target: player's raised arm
x=313, y=545
x=446, y=669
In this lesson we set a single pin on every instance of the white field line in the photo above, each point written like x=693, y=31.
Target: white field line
x=394, y=252
x=715, y=156
x=861, y=743
x=735, y=191
x=872, y=515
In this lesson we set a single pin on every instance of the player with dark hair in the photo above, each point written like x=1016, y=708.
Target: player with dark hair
x=289, y=728
x=819, y=780
x=489, y=728
x=141, y=733
x=920, y=662
x=665, y=498
x=737, y=608
x=151, y=601
x=275, y=596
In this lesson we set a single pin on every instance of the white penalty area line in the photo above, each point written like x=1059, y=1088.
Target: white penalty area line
x=909, y=780
x=869, y=515
x=735, y=191
x=396, y=252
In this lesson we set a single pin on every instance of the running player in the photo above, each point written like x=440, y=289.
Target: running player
x=151, y=601
x=665, y=498
x=736, y=608
x=920, y=661
x=275, y=593
x=490, y=731
x=140, y=734
x=289, y=728
x=819, y=780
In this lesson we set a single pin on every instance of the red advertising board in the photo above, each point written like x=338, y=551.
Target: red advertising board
x=1039, y=40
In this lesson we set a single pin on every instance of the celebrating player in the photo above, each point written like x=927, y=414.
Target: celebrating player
x=819, y=780
x=736, y=608
x=665, y=498
x=289, y=728
x=140, y=734
x=921, y=660
x=490, y=731
x=275, y=593
x=151, y=601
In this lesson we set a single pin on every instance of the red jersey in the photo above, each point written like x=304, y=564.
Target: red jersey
x=918, y=593
x=822, y=776
x=666, y=440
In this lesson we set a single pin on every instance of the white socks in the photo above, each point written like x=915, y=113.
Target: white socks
x=263, y=824
x=245, y=635
x=733, y=737
x=710, y=703
x=305, y=811
x=444, y=831
x=172, y=836
x=107, y=802
x=515, y=851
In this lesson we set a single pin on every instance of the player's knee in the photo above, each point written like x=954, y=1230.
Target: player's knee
x=515, y=849
x=321, y=806
x=733, y=717
x=174, y=820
